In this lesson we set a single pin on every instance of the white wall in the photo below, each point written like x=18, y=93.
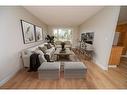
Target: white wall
x=11, y=39
x=103, y=24
x=74, y=34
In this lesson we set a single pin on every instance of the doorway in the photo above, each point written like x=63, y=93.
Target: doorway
x=118, y=56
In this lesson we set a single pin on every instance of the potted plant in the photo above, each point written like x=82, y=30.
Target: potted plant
x=50, y=39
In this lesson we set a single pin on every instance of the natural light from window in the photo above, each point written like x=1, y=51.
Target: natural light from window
x=62, y=34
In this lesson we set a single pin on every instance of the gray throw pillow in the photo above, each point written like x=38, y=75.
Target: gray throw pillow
x=42, y=59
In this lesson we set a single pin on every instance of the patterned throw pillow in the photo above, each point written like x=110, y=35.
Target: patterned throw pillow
x=48, y=46
x=43, y=49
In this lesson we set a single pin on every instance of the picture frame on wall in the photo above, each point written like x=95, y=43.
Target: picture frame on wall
x=28, y=32
x=38, y=33
x=87, y=37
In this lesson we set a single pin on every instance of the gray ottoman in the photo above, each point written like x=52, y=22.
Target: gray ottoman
x=74, y=70
x=49, y=70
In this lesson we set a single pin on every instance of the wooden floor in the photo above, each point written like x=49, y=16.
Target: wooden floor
x=96, y=78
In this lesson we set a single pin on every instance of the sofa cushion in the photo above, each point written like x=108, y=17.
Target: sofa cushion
x=42, y=58
x=58, y=46
x=50, y=51
x=52, y=45
x=28, y=52
x=67, y=46
x=58, y=42
x=48, y=46
x=43, y=49
x=67, y=42
x=47, y=57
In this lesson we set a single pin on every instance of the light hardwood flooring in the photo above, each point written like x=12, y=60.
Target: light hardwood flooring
x=96, y=78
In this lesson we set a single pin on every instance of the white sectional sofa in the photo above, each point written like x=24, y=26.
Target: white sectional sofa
x=26, y=53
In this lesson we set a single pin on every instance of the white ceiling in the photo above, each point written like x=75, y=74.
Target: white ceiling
x=123, y=15
x=63, y=15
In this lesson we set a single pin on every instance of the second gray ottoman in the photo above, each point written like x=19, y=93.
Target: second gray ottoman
x=74, y=70
x=49, y=70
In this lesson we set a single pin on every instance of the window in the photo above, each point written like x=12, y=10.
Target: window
x=63, y=34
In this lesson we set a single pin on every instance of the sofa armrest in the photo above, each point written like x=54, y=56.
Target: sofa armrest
x=26, y=58
x=26, y=61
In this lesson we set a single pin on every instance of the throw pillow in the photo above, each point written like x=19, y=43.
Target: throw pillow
x=51, y=45
x=41, y=56
x=28, y=52
x=43, y=49
x=48, y=46
x=42, y=59
x=38, y=52
x=47, y=57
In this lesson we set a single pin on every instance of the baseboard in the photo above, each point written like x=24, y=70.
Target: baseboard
x=112, y=66
x=102, y=67
x=9, y=76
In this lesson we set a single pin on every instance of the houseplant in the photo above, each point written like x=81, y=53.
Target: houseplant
x=50, y=39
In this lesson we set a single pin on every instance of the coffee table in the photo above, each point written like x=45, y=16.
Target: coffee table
x=66, y=54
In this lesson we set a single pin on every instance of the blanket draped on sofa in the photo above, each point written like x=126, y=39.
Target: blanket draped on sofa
x=34, y=62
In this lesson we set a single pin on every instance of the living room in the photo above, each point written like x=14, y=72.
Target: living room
x=98, y=21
